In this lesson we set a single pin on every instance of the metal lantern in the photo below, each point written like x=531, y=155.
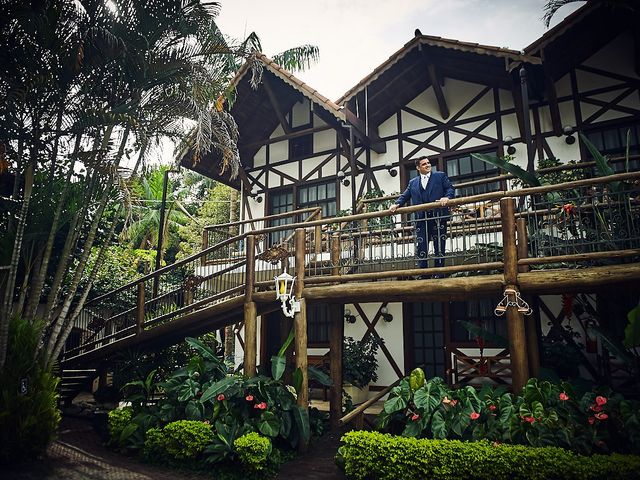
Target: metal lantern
x=284, y=286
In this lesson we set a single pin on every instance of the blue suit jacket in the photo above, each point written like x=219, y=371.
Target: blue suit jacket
x=439, y=186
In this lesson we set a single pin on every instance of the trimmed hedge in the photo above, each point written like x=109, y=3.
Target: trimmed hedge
x=372, y=455
x=253, y=451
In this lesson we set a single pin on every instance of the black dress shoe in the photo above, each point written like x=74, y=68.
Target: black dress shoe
x=437, y=275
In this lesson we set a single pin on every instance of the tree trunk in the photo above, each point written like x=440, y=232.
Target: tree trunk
x=5, y=310
x=36, y=291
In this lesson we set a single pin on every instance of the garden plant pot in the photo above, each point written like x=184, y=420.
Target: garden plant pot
x=358, y=395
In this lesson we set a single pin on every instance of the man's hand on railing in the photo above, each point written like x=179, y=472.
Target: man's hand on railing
x=393, y=208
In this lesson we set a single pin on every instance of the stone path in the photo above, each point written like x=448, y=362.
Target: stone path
x=78, y=454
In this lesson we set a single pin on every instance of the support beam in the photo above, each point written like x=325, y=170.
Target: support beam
x=336, y=333
x=530, y=325
x=300, y=322
x=250, y=312
x=370, y=139
x=274, y=103
x=554, y=110
x=515, y=320
x=437, y=90
x=140, y=309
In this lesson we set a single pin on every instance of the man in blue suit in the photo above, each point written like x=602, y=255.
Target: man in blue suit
x=431, y=225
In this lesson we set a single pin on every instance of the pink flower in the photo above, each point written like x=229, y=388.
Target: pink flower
x=474, y=415
x=601, y=400
x=260, y=406
x=591, y=420
x=415, y=417
x=249, y=398
x=220, y=397
x=492, y=408
x=601, y=416
x=529, y=419
x=596, y=408
x=454, y=403
x=564, y=397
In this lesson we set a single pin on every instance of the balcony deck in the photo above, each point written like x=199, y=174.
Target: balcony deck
x=578, y=236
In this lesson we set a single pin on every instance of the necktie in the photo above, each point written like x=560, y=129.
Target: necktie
x=424, y=180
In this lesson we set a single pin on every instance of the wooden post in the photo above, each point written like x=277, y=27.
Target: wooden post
x=250, y=316
x=317, y=236
x=530, y=327
x=300, y=321
x=336, y=332
x=515, y=320
x=140, y=308
x=335, y=254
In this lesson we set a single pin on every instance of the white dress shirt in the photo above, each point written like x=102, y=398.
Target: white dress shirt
x=424, y=179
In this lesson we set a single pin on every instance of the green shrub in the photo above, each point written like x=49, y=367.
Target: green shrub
x=186, y=439
x=372, y=455
x=154, y=444
x=118, y=421
x=28, y=419
x=253, y=450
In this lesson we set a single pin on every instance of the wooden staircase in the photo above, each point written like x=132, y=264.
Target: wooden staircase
x=74, y=381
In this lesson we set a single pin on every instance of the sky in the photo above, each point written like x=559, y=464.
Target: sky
x=355, y=36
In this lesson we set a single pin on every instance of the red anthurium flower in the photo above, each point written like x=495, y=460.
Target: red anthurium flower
x=249, y=398
x=529, y=419
x=220, y=397
x=492, y=408
x=446, y=400
x=260, y=406
x=596, y=408
x=474, y=415
x=564, y=397
x=601, y=416
x=601, y=400
x=415, y=417
x=591, y=420
x=454, y=403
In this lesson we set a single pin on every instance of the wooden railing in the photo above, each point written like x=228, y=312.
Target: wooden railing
x=589, y=223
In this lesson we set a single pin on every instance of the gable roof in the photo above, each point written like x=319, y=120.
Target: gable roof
x=509, y=56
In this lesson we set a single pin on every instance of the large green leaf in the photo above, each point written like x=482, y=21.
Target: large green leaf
x=439, y=425
x=194, y=410
x=301, y=418
x=395, y=404
x=318, y=375
x=201, y=348
x=529, y=178
x=218, y=387
x=269, y=424
x=188, y=390
x=632, y=330
x=412, y=429
x=288, y=341
x=427, y=398
x=278, y=366
x=602, y=165
x=297, y=380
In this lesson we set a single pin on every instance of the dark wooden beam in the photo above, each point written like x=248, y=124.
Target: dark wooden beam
x=288, y=136
x=437, y=90
x=371, y=140
x=517, y=102
x=552, y=97
x=275, y=104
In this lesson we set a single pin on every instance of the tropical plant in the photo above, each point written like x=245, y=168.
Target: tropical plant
x=359, y=362
x=543, y=414
x=28, y=399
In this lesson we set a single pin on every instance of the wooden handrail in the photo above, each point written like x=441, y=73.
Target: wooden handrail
x=260, y=219
x=361, y=408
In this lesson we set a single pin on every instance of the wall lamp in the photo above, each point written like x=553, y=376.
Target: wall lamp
x=569, y=138
x=342, y=178
x=386, y=316
x=508, y=141
x=255, y=194
x=348, y=317
x=389, y=166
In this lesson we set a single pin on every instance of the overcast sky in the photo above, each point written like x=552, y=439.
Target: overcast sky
x=355, y=36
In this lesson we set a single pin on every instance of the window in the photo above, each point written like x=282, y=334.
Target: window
x=280, y=202
x=479, y=312
x=319, y=195
x=318, y=324
x=428, y=338
x=466, y=168
x=301, y=146
x=612, y=141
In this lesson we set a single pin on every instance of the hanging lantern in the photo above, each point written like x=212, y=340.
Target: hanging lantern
x=284, y=292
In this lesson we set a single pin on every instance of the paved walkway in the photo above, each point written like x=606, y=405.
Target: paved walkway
x=78, y=454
